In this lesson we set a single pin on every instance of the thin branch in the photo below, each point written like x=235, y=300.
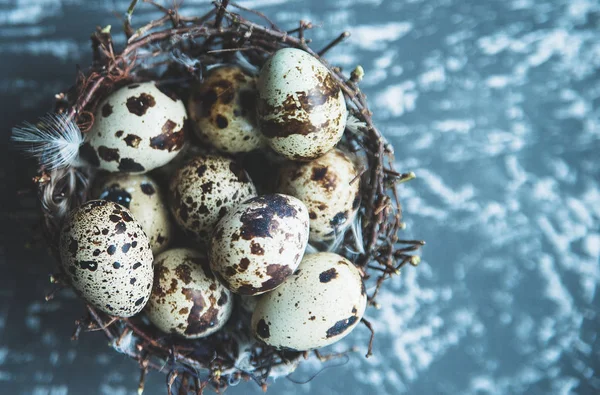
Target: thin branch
x=220, y=13
x=335, y=42
x=370, y=328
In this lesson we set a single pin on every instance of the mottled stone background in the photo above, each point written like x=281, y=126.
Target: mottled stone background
x=493, y=103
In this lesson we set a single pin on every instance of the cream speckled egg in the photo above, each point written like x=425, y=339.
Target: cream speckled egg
x=143, y=197
x=203, y=191
x=318, y=305
x=223, y=109
x=301, y=108
x=324, y=186
x=186, y=297
x=107, y=257
x=136, y=129
x=256, y=246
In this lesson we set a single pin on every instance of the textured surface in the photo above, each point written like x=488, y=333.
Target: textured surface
x=223, y=109
x=107, y=257
x=301, y=110
x=204, y=189
x=136, y=129
x=186, y=297
x=321, y=303
x=494, y=104
x=144, y=198
x=325, y=186
x=260, y=243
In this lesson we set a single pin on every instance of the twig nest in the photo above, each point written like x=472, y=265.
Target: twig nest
x=258, y=245
x=329, y=188
x=203, y=191
x=107, y=257
x=253, y=245
x=144, y=198
x=301, y=108
x=223, y=109
x=318, y=305
x=136, y=129
x=187, y=299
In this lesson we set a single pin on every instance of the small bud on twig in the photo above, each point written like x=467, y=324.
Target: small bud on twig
x=357, y=74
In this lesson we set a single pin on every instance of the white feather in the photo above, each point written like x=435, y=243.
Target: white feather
x=183, y=59
x=354, y=124
x=337, y=241
x=126, y=345
x=245, y=64
x=356, y=228
x=311, y=249
x=54, y=140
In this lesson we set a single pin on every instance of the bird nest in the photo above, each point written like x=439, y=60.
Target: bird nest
x=177, y=49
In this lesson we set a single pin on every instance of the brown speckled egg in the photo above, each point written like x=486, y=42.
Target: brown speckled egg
x=136, y=129
x=301, y=108
x=256, y=246
x=318, y=305
x=203, y=191
x=324, y=186
x=143, y=197
x=107, y=257
x=223, y=109
x=187, y=299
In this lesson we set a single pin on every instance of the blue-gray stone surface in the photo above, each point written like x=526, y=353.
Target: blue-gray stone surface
x=495, y=104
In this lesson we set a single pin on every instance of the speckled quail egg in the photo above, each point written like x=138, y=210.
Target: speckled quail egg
x=329, y=188
x=203, y=190
x=136, y=129
x=260, y=243
x=143, y=197
x=223, y=109
x=318, y=305
x=107, y=257
x=301, y=108
x=186, y=297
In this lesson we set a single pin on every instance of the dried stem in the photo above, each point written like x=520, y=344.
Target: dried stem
x=335, y=42
x=370, y=328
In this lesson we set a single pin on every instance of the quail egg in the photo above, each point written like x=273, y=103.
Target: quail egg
x=107, y=257
x=330, y=189
x=203, y=191
x=301, y=108
x=136, y=129
x=259, y=243
x=187, y=299
x=318, y=305
x=223, y=109
x=143, y=197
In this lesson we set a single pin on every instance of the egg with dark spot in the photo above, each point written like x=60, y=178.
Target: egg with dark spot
x=144, y=198
x=260, y=243
x=187, y=299
x=223, y=109
x=317, y=306
x=330, y=189
x=204, y=190
x=136, y=128
x=107, y=258
x=301, y=107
